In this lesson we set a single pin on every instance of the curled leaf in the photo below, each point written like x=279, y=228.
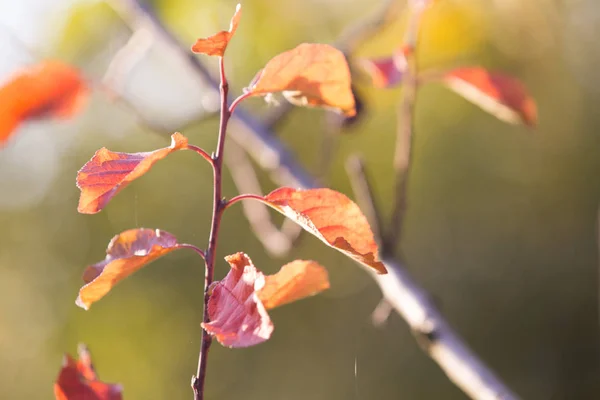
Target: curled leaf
x=78, y=380
x=500, y=95
x=127, y=252
x=237, y=316
x=216, y=44
x=333, y=218
x=311, y=74
x=107, y=173
x=237, y=305
x=47, y=89
x=294, y=281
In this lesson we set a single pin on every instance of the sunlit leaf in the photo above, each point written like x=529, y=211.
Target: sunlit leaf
x=237, y=304
x=78, y=381
x=237, y=316
x=45, y=90
x=309, y=75
x=216, y=44
x=500, y=95
x=127, y=252
x=107, y=173
x=331, y=217
x=294, y=281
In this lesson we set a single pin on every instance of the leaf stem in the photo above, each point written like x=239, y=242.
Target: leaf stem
x=195, y=248
x=218, y=208
x=203, y=153
x=245, y=196
x=238, y=100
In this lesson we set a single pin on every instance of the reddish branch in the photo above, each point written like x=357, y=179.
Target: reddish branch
x=218, y=208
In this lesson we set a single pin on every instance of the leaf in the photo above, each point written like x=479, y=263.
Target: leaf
x=502, y=96
x=386, y=72
x=237, y=307
x=107, y=173
x=314, y=75
x=216, y=44
x=47, y=89
x=333, y=218
x=127, y=252
x=237, y=316
x=294, y=281
x=77, y=380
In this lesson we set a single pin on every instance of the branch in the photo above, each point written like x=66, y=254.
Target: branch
x=363, y=193
x=404, y=139
x=407, y=298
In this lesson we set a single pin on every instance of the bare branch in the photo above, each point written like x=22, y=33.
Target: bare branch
x=407, y=298
x=363, y=192
x=404, y=138
x=242, y=171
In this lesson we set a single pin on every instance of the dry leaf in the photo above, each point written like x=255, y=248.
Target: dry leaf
x=237, y=304
x=500, y=95
x=237, y=317
x=331, y=217
x=294, y=281
x=216, y=44
x=310, y=75
x=78, y=381
x=48, y=89
x=107, y=173
x=127, y=252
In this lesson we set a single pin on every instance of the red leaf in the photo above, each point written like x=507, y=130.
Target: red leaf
x=216, y=44
x=107, y=173
x=388, y=71
x=310, y=75
x=47, y=89
x=502, y=96
x=333, y=218
x=126, y=253
x=78, y=381
x=237, y=316
x=294, y=281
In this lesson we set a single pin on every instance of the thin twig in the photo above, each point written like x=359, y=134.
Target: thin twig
x=244, y=177
x=363, y=192
x=407, y=298
x=211, y=251
x=404, y=139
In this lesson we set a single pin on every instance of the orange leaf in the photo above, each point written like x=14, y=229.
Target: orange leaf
x=502, y=96
x=216, y=44
x=309, y=75
x=78, y=381
x=107, y=173
x=333, y=218
x=47, y=89
x=237, y=316
x=294, y=281
x=126, y=253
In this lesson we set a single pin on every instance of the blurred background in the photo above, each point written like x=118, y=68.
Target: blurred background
x=501, y=227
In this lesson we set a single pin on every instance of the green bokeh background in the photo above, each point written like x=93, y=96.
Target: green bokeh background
x=501, y=227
